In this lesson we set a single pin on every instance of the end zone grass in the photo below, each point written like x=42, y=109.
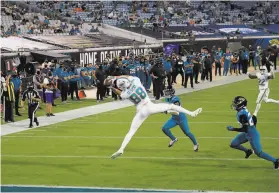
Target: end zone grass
x=77, y=152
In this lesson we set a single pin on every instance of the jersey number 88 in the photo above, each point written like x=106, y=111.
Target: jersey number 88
x=138, y=95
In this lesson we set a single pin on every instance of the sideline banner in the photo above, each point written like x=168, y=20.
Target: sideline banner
x=99, y=56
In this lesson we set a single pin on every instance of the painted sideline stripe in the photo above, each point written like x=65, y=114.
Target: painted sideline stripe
x=119, y=137
x=128, y=157
x=112, y=188
x=129, y=122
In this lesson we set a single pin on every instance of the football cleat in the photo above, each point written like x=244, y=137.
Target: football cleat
x=248, y=153
x=116, y=154
x=172, y=142
x=196, y=148
x=196, y=112
x=276, y=164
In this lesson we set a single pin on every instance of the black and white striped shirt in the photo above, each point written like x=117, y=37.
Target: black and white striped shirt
x=29, y=94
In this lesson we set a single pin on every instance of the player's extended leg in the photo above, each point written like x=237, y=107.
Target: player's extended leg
x=254, y=139
x=237, y=141
x=259, y=100
x=186, y=130
x=162, y=107
x=166, y=129
x=136, y=123
x=267, y=100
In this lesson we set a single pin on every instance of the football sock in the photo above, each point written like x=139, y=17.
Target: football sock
x=168, y=133
x=266, y=156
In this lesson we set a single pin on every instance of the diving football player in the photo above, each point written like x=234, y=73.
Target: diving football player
x=129, y=87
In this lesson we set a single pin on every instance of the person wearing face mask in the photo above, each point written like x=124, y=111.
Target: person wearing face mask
x=100, y=77
x=64, y=76
x=17, y=90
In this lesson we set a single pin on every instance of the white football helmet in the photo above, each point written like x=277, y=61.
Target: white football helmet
x=263, y=69
x=123, y=83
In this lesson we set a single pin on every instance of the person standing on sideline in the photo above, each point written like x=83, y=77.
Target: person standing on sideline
x=17, y=90
x=227, y=61
x=197, y=65
x=64, y=76
x=74, y=83
x=100, y=77
x=33, y=99
x=188, y=65
x=9, y=100
x=217, y=61
x=168, y=69
x=49, y=86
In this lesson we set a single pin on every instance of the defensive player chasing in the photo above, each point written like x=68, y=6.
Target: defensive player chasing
x=129, y=87
x=177, y=119
x=248, y=132
x=263, y=77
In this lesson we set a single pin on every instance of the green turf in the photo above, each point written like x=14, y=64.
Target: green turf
x=61, y=107
x=155, y=169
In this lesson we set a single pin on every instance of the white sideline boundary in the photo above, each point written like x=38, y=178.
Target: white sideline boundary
x=118, y=137
x=127, y=189
x=20, y=126
x=129, y=157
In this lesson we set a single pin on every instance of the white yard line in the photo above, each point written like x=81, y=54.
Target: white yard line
x=116, y=137
x=20, y=126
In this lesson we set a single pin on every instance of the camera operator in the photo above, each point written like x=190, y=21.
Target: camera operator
x=158, y=74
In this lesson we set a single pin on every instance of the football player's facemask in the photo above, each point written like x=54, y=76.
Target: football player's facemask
x=169, y=92
x=238, y=103
x=263, y=69
x=123, y=83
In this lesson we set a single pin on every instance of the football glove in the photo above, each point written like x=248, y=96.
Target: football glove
x=230, y=128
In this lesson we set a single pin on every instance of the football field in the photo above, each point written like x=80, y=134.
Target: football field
x=77, y=152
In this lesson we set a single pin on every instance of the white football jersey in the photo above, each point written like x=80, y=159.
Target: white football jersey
x=263, y=80
x=136, y=93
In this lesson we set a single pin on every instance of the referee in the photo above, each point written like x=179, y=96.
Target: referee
x=33, y=98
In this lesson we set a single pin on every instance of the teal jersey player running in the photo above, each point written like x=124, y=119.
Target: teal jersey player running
x=177, y=120
x=248, y=132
